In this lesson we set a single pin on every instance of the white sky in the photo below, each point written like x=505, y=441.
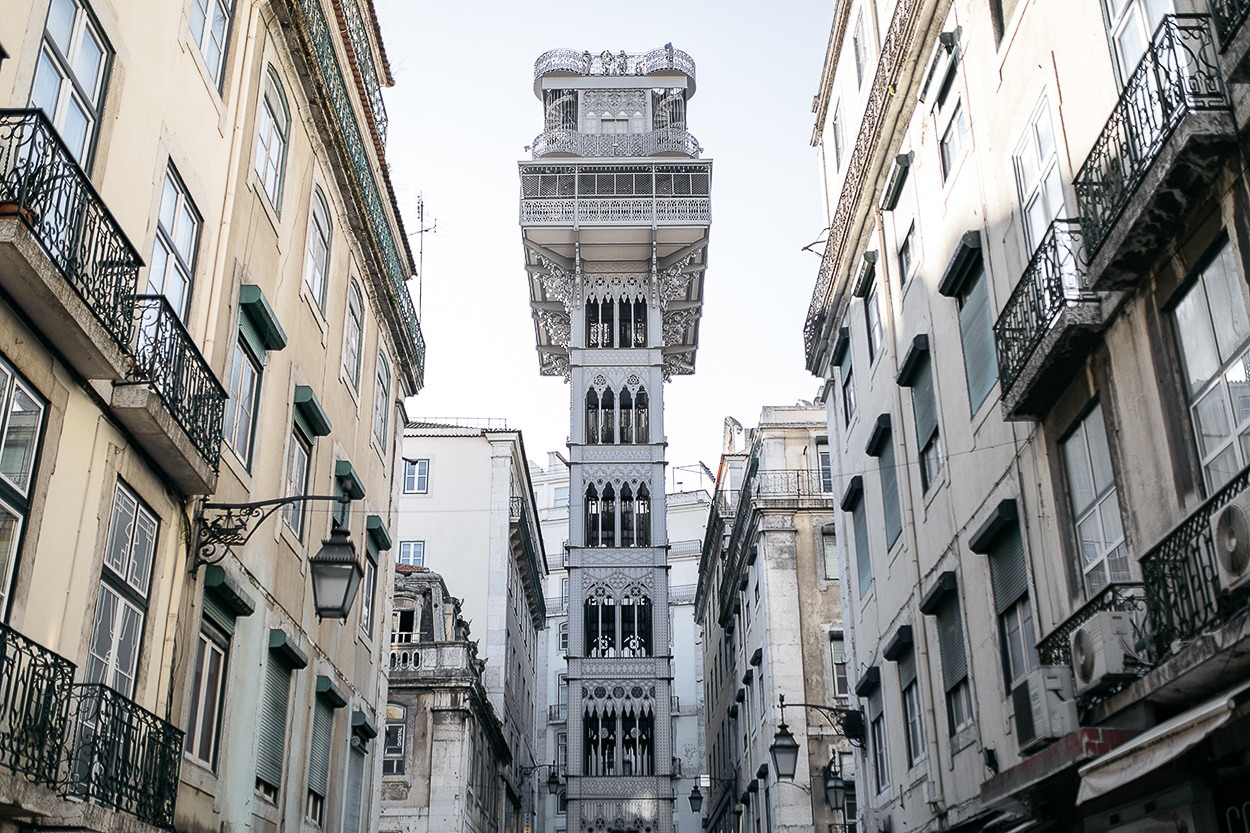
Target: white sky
x=461, y=112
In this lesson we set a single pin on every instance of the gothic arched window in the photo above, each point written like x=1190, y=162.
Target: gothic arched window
x=635, y=624
x=600, y=624
x=607, y=405
x=627, y=416
x=627, y=516
x=592, y=416
x=642, y=518
x=594, y=520
x=607, y=511
x=642, y=421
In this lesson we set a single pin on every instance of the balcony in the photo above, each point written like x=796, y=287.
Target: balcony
x=639, y=194
x=34, y=701
x=1056, y=648
x=122, y=756
x=671, y=140
x=527, y=548
x=1046, y=324
x=1162, y=145
x=1229, y=17
x=572, y=62
x=171, y=401
x=63, y=257
x=557, y=712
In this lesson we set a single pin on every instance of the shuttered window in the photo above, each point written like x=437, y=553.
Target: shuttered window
x=890, y=508
x=319, y=748
x=353, y=800
x=1010, y=580
x=951, y=644
x=271, y=733
x=863, y=557
x=976, y=327
x=928, y=439
x=1008, y=574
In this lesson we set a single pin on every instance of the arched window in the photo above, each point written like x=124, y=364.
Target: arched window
x=317, y=256
x=638, y=332
x=607, y=435
x=627, y=416
x=600, y=742
x=354, y=334
x=607, y=510
x=592, y=416
x=635, y=624
x=600, y=625
x=642, y=421
x=627, y=516
x=642, y=518
x=621, y=744
x=594, y=521
x=273, y=134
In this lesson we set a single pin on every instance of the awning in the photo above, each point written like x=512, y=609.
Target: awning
x=1156, y=747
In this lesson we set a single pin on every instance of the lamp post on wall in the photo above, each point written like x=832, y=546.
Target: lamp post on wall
x=849, y=723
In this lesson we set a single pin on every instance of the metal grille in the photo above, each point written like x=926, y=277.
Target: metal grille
x=34, y=706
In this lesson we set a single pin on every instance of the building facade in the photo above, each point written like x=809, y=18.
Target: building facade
x=444, y=755
x=1030, y=318
x=467, y=511
x=198, y=244
x=615, y=212
x=687, y=515
x=769, y=605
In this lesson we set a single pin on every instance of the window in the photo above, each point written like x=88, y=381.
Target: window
x=271, y=732
x=1000, y=14
x=1095, y=505
x=860, y=48
x=273, y=125
x=837, y=655
x=21, y=425
x=913, y=711
x=561, y=497
x=617, y=627
x=71, y=75
x=848, y=389
x=1133, y=23
x=382, y=401
x=564, y=592
x=825, y=467
x=835, y=129
x=891, y=509
x=298, y=458
x=564, y=632
x=879, y=741
x=121, y=606
x=954, y=661
x=394, y=744
x=928, y=437
x=829, y=544
x=872, y=315
x=1009, y=579
x=907, y=254
x=859, y=523
x=319, y=762
x=210, y=29
x=976, y=330
x=208, y=691
x=416, y=477
x=177, y=236
x=412, y=553
x=244, y=389
x=369, y=592
x=317, y=253
x=353, y=335
x=354, y=794
x=1037, y=177
x=616, y=322
x=1214, y=336
x=954, y=138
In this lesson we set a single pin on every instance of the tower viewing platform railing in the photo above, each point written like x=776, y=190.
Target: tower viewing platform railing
x=651, y=143
x=620, y=63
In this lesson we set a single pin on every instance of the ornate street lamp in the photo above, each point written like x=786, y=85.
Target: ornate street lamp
x=785, y=750
x=696, y=798
x=849, y=723
x=336, y=575
x=553, y=777
x=836, y=786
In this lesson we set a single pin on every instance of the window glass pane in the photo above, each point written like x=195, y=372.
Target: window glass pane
x=1198, y=349
x=141, y=552
x=88, y=62
x=17, y=458
x=1212, y=418
x=10, y=527
x=1076, y=461
x=47, y=85
x=1227, y=305
x=121, y=527
x=61, y=23
x=74, y=128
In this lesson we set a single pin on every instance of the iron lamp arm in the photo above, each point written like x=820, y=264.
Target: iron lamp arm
x=234, y=524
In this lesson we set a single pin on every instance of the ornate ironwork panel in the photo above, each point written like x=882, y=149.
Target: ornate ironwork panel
x=34, y=707
x=1053, y=280
x=1178, y=75
x=607, y=63
x=1228, y=16
x=1056, y=648
x=666, y=140
x=1183, y=598
x=122, y=756
x=42, y=184
x=363, y=51
x=166, y=357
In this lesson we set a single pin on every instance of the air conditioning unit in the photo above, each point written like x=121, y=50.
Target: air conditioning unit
x=1044, y=705
x=1230, y=530
x=1101, y=648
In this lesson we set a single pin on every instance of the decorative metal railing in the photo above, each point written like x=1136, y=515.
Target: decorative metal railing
x=518, y=513
x=122, y=756
x=890, y=63
x=616, y=210
x=1183, y=597
x=1056, y=648
x=363, y=51
x=335, y=89
x=42, y=183
x=1178, y=75
x=166, y=357
x=557, y=712
x=665, y=140
x=606, y=63
x=1053, y=280
x=35, y=688
x=1228, y=15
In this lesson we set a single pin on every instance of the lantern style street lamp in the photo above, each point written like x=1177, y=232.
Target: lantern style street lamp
x=849, y=723
x=336, y=575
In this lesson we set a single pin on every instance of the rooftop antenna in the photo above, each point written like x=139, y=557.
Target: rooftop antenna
x=422, y=228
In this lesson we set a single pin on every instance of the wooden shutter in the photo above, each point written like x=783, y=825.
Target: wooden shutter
x=354, y=805
x=319, y=748
x=271, y=742
x=1008, y=574
x=977, y=332
x=951, y=644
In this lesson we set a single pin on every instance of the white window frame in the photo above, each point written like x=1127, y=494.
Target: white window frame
x=172, y=270
x=382, y=401
x=1101, y=550
x=21, y=433
x=60, y=63
x=411, y=553
x=954, y=141
x=273, y=136
x=317, y=247
x=241, y=410
x=354, y=334
x=208, y=697
x=295, y=480
x=1038, y=180
x=210, y=30
x=416, y=477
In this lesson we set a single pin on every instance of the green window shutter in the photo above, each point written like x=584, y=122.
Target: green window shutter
x=924, y=403
x=890, y=507
x=271, y=734
x=951, y=644
x=1008, y=574
x=218, y=614
x=863, y=557
x=354, y=800
x=976, y=327
x=319, y=748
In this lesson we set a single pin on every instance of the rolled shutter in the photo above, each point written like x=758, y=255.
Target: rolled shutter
x=907, y=669
x=924, y=402
x=354, y=800
x=319, y=748
x=951, y=645
x=218, y=614
x=271, y=741
x=889, y=493
x=875, y=708
x=977, y=331
x=1008, y=574
x=863, y=558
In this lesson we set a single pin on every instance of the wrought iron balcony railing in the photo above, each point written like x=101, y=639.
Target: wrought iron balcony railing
x=35, y=688
x=122, y=756
x=1178, y=75
x=1228, y=15
x=43, y=185
x=1183, y=595
x=557, y=713
x=1053, y=280
x=340, y=103
x=166, y=357
x=606, y=63
x=364, y=61
x=531, y=542
x=665, y=140
x=1056, y=648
